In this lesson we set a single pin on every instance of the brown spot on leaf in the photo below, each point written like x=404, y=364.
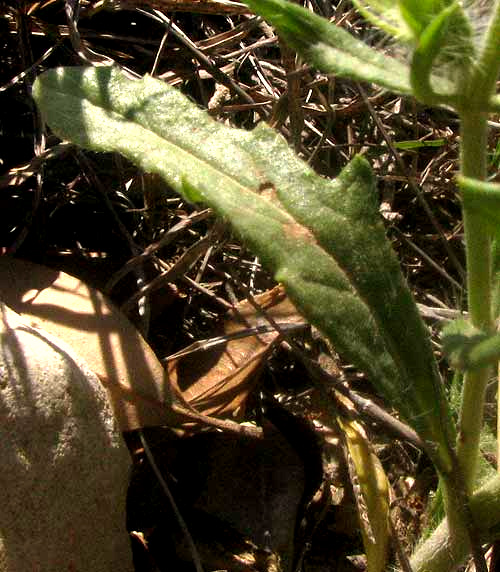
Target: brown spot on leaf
x=298, y=231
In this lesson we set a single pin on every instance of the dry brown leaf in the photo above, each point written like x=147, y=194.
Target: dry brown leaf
x=82, y=317
x=218, y=380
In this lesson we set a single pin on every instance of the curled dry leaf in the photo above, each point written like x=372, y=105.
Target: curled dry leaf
x=217, y=380
x=64, y=306
x=371, y=490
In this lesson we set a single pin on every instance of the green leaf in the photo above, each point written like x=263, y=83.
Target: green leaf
x=386, y=15
x=469, y=348
x=494, y=158
x=418, y=14
x=323, y=239
x=330, y=48
x=405, y=20
x=494, y=104
x=445, y=45
x=495, y=272
x=416, y=144
x=333, y=50
x=482, y=198
x=425, y=55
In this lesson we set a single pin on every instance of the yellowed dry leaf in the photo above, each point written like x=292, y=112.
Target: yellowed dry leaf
x=371, y=489
x=218, y=380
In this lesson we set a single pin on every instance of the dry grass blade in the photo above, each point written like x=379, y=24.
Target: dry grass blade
x=196, y=6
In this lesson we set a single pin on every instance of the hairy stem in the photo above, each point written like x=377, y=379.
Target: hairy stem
x=478, y=252
x=443, y=551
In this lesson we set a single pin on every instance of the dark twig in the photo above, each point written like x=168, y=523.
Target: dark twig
x=182, y=523
x=404, y=562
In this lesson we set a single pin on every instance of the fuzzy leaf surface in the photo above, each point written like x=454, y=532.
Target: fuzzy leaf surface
x=324, y=240
x=483, y=199
x=386, y=15
x=330, y=48
x=469, y=348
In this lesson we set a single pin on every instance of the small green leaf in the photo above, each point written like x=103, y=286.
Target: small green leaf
x=323, y=239
x=191, y=193
x=494, y=158
x=330, y=48
x=495, y=272
x=418, y=14
x=445, y=44
x=386, y=15
x=485, y=198
x=494, y=104
x=416, y=144
x=469, y=348
x=430, y=41
x=482, y=198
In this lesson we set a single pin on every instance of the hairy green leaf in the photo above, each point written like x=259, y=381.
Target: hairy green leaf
x=483, y=199
x=445, y=44
x=386, y=15
x=425, y=55
x=494, y=104
x=405, y=20
x=323, y=239
x=418, y=14
x=330, y=48
x=495, y=272
x=469, y=348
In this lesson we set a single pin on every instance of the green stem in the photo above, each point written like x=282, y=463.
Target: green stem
x=458, y=535
x=478, y=252
x=484, y=79
x=478, y=242
x=443, y=550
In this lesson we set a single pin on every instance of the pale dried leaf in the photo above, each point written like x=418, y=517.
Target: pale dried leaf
x=64, y=306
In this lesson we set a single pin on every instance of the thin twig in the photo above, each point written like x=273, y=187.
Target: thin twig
x=151, y=250
x=19, y=174
x=398, y=548
x=426, y=257
x=182, y=523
